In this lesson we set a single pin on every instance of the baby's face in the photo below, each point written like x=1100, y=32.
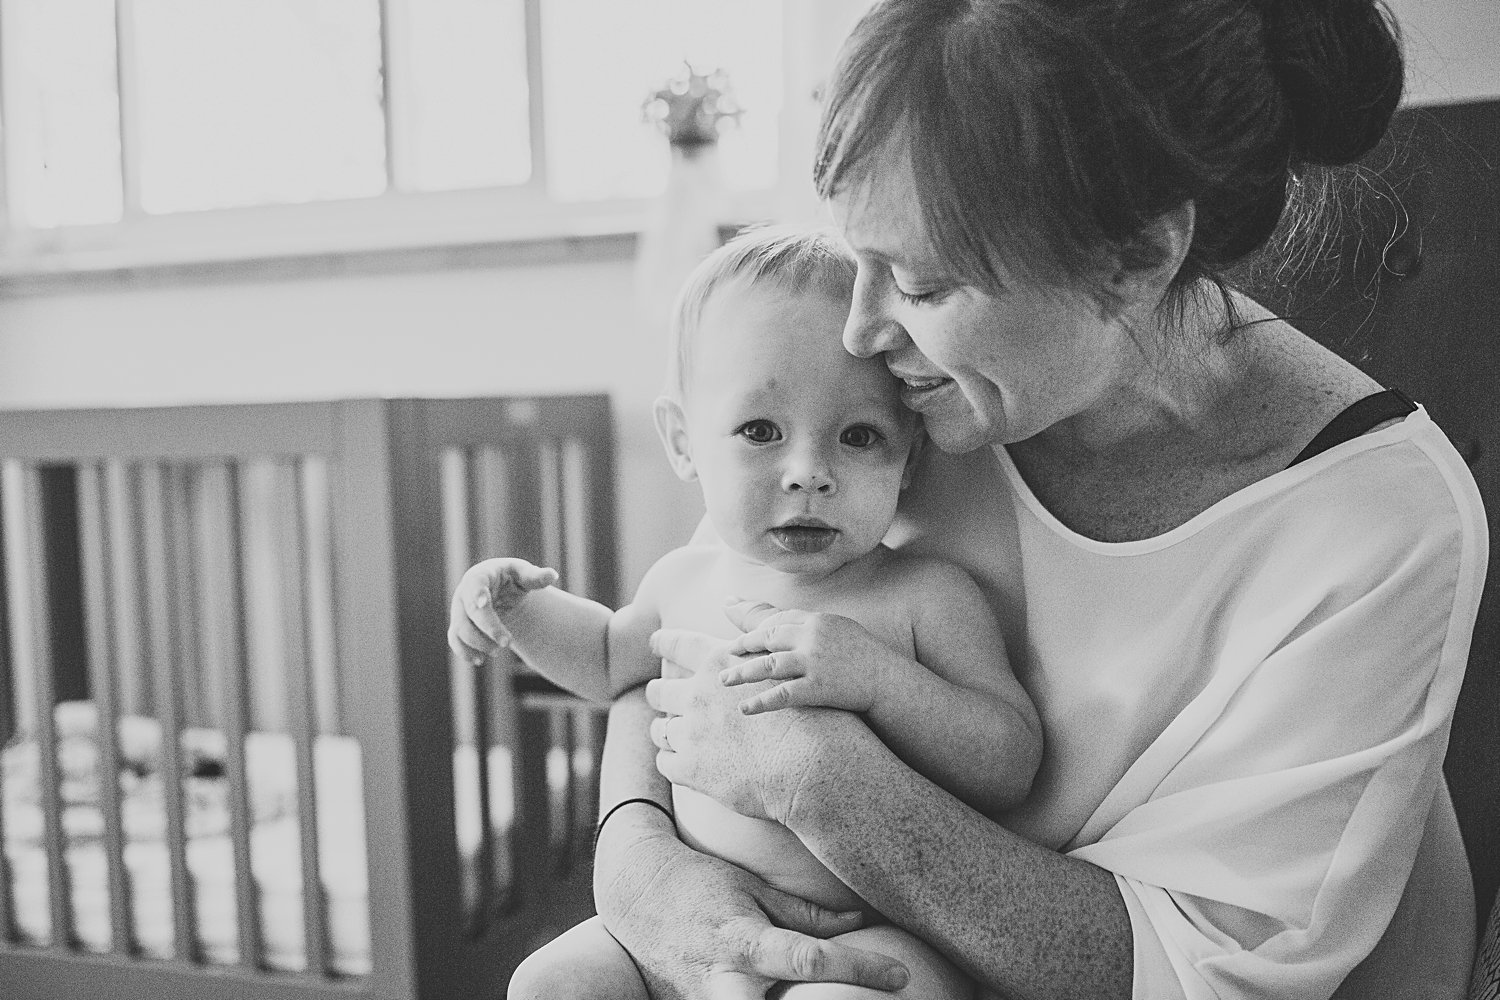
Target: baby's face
x=800, y=447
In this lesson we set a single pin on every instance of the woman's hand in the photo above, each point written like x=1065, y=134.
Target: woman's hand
x=817, y=659
x=699, y=927
x=752, y=764
x=487, y=589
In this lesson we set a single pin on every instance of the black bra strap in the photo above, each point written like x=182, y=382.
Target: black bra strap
x=1357, y=418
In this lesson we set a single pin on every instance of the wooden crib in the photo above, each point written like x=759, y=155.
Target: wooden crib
x=239, y=759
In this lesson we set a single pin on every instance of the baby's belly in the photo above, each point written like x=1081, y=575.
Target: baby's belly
x=767, y=849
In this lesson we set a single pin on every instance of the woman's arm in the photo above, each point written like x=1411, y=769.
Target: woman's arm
x=697, y=926
x=1023, y=920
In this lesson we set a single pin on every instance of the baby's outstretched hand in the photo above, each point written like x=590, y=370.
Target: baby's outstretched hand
x=487, y=590
x=816, y=658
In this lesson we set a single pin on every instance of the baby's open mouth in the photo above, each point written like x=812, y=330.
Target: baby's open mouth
x=804, y=538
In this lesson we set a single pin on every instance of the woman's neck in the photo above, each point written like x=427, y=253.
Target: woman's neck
x=1174, y=388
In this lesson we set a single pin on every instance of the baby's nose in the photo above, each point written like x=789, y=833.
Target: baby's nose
x=809, y=478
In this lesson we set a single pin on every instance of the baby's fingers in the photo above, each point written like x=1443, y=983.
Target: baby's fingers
x=481, y=613
x=786, y=695
x=530, y=577
x=463, y=650
x=465, y=639
x=772, y=666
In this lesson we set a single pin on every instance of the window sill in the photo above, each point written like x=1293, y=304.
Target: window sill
x=388, y=235
x=503, y=252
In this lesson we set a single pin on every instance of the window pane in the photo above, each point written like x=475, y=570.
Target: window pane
x=468, y=124
x=257, y=102
x=61, y=111
x=604, y=57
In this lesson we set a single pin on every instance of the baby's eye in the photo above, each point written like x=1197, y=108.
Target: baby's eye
x=759, y=432
x=859, y=436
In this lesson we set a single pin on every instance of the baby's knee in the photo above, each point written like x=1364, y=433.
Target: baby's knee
x=585, y=963
x=543, y=975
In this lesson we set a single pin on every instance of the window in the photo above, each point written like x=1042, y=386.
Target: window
x=139, y=130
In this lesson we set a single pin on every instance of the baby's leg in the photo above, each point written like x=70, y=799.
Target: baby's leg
x=933, y=977
x=584, y=963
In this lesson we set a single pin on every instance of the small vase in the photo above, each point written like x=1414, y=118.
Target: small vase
x=683, y=228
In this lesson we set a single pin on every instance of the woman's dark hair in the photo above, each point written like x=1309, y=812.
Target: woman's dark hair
x=1048, y=134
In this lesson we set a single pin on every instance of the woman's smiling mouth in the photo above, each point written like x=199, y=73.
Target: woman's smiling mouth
x=917, y=388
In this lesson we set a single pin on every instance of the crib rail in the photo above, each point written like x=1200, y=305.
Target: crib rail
x=356, y=518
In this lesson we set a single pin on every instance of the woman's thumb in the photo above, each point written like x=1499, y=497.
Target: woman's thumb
x=806, y=917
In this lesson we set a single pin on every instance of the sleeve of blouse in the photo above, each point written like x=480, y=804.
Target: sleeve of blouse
x=1263, y=841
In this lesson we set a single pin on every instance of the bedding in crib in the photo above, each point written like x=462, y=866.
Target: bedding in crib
x=274, y=838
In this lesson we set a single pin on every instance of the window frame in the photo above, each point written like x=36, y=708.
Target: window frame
x=394, y=221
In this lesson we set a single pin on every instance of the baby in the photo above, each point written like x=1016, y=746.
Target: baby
x=801, y=451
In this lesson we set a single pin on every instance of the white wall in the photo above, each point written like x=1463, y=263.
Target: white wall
x=1453, y=49
x=528, y=328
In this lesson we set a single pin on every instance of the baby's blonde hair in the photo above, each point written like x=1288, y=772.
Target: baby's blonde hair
x=791, y=259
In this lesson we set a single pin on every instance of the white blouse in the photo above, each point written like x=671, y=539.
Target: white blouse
x=1245, y=717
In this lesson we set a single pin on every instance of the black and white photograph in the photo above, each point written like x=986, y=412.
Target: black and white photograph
x=749, y=499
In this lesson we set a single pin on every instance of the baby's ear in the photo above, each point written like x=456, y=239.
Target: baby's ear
x=671, y=427
x=914, y=456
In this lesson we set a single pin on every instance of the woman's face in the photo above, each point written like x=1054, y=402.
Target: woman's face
x=982, y=367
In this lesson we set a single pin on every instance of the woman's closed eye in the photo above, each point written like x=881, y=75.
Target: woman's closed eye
x=759, y=431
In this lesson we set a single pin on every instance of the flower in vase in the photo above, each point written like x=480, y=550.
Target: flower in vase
x=692, y=109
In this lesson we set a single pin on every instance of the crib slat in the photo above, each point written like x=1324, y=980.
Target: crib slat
x=484, y=858
x=162, y=516
x=98, y=572
x=498, y=528
x=549, y=487
x=303, y=720
x=229, y=589
x=26, y=580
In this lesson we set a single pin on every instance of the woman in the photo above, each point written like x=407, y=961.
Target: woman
x=1245, y=647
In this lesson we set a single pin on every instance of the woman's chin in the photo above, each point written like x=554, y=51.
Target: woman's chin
x=958, y=433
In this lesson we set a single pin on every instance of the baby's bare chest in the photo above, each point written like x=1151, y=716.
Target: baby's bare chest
x=701, y=606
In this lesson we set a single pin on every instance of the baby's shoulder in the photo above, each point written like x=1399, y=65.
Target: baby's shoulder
x=683, y=567
x=921, y=579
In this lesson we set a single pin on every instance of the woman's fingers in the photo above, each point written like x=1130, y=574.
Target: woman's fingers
x=659, y=734
x=782, y=954
x=672, y=697
x=803, y=915
x=693, y=650
x=750, y=615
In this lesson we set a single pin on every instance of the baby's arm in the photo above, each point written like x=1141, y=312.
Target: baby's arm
x=955, y=713
x=965, y=721
x=576, y=643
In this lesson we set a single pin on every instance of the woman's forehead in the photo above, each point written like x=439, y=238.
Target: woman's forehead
x=880, y=215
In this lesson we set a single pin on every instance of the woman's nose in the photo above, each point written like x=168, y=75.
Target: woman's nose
x=869, y=330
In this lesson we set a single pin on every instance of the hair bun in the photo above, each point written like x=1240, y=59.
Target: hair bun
x=1340, y=68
